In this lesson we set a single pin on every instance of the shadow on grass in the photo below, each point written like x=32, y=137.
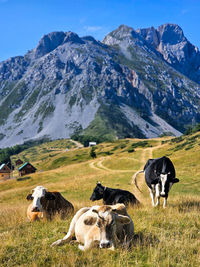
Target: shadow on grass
x=188, y=206
x=145, y=240
x=23, y=178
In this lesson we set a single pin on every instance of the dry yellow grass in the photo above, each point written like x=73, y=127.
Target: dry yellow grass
x=169, y=237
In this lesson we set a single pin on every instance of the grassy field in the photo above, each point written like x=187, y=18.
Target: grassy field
x=163, y=237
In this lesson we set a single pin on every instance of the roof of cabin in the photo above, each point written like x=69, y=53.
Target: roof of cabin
x=4, y=165
x=25, y=164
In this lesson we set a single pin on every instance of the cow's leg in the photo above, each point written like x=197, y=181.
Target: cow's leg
x=71, y=230
x=165, y=202
x=88, y=244
x=152, y=194
x=157, y=194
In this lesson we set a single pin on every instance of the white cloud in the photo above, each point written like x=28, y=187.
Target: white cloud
x=92, y=28
x=98, y=32
x=184, y=11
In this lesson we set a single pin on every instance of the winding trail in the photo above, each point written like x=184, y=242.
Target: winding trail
x=99, y=166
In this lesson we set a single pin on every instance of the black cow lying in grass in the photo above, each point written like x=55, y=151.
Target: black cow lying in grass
x=113, y=196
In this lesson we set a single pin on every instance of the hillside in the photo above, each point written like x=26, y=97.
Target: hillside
x=122, y=87
x=167, y=237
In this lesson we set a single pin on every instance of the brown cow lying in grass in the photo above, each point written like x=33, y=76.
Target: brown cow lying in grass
x=105, y=226
x=46, y=204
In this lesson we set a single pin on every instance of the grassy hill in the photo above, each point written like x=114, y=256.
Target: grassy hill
x=169, y=237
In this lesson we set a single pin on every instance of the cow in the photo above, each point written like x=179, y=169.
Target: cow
x=159, y=176
x=107, y=226
x=113, y=196
x=46, y=204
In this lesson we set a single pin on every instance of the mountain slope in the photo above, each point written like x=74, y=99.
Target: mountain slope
x=122, y=87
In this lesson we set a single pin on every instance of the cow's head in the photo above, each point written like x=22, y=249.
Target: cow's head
x=165, y=183
x=108, y=217
x=39, y=193
x=97, y=192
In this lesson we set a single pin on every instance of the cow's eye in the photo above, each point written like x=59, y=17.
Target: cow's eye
x=98, y=225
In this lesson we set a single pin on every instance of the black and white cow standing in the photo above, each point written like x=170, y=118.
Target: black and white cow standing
x=159, y=176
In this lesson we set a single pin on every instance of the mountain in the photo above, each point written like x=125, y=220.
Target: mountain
x=170, y=41
x=121, y=87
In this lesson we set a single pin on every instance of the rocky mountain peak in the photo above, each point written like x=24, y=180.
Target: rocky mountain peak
x=169, y=40
x=48, y=43
x=52, y=40
x=72, y=37
x=171, y=34
x=150, y=34
x=122, y=32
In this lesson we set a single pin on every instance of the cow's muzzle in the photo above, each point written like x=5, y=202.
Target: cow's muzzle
x=163, y=195
x=105, y=244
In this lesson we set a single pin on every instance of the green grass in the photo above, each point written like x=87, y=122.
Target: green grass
x=163, y=237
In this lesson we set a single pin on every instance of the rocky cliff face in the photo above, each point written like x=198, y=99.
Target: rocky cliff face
x=170, y=41
x=121, y=87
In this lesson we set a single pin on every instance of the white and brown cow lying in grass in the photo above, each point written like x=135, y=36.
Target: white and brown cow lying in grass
x=46, y=204
x=106, y=226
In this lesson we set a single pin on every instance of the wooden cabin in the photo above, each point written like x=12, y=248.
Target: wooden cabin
x=26, y=168
x=18, y=162
x=5, y=172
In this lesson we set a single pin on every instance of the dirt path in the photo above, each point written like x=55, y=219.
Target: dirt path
x=98, y=165
x=79, y=145
x=146, y=154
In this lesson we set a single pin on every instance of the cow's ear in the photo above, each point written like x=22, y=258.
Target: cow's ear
x=29, y=197
x=95, y=211
x=119, y=208
x=175, y=180
x=122, y=219
x=155, y=181
x=49, y=196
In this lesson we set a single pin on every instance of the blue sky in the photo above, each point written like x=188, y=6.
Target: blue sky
x=24, y=22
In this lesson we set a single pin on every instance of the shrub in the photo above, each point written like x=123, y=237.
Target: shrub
x=93, y=153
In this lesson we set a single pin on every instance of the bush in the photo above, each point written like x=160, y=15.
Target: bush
x=131, y=150
x=93, y=153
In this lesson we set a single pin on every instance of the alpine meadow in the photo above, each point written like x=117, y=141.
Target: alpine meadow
x=78, y=115
x=163, y=237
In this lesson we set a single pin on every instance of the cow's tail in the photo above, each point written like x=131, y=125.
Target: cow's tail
x=134, y=180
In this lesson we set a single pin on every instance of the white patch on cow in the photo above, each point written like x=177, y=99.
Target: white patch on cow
x=165, y=203
x=105, y=214
x=39, y=192
x=157, y=190
x=157, y=194
x=152, y=194
x=163, y=178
